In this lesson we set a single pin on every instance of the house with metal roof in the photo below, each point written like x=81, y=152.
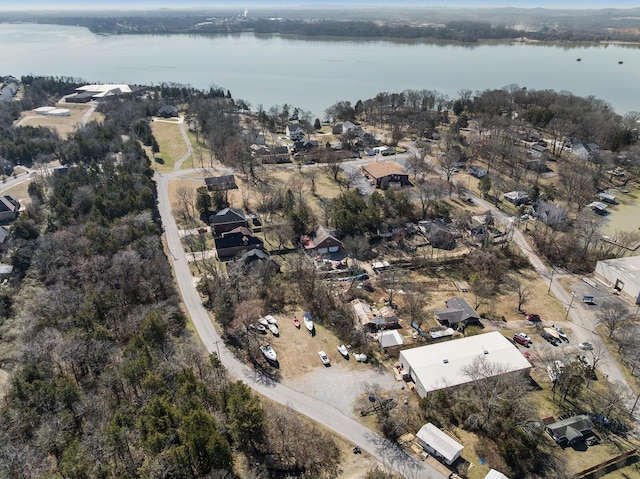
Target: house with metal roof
x=439, y=444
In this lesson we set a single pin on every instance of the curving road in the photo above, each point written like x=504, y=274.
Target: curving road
x=583, y=320
x=387, y=453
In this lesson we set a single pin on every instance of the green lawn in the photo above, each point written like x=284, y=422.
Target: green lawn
x=172, y=145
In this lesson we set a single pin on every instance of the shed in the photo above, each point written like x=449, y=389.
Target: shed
x=439, y=443
x=493, y=474
x=389, y=339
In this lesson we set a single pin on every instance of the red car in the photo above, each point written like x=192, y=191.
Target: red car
x=533, y=317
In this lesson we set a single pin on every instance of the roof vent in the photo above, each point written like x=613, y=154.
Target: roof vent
x=445, y=361
x=485, y=351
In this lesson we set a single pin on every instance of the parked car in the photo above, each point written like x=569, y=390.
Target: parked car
x=522, y=339
x=324, y=358
x=587, y=346
x=533, y=317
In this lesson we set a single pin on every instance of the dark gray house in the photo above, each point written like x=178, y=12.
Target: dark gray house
x=168, y=111
x=570, y=430
x=457, y=311
x=222, y=183
x=548, y=213
x=226, y=220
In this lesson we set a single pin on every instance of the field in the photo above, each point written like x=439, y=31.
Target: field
x=64, y=125
x=172, y=146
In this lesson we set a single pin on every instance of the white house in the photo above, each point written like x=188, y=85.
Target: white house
x=493, y=474
x=438, y=443
x=622, y=274
x=444, y=365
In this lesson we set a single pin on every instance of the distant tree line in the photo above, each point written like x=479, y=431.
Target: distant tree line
x=577, y=29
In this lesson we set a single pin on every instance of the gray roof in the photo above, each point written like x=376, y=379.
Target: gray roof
x=457, y=311
x=571, y=428
x=228, y=215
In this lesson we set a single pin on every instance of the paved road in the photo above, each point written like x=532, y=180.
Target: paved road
x=388, y=454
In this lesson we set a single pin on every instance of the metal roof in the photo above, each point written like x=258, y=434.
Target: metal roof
x=442, y=365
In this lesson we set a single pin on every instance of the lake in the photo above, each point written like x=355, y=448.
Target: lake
x=315, y=73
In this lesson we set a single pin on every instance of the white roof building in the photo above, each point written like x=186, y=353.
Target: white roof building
x=388, y=339
x=438, y=443
x=100, y=91
x=443, y=365
x=622, y=274
x=493, y=474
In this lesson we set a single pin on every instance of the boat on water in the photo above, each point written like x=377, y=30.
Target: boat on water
x=308, y=322
x=264, y=322
x=579, y=60
x=259, y=328
x=296, y=322
x=274, y=329
x=270, y=319
x=269, y=352
x=620, y=62
x=342, y=349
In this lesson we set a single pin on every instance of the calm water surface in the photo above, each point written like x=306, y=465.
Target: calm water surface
x=314, y=74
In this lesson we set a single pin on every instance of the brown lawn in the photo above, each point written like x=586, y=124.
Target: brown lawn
x=64, y=125
x=172, y=145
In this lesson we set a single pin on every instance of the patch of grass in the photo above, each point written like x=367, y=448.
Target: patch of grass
x=172, y=145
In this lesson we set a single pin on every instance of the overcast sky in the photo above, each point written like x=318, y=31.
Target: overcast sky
x=240, y=4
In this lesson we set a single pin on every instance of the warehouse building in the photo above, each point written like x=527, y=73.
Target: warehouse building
x=621, y=274
x=444, y=365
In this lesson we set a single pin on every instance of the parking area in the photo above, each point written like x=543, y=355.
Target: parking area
x=590, y=295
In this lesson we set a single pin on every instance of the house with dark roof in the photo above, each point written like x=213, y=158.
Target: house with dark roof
x=548, y=213
x=168, y=111
x=385, y=173
x=278, y=154
x=9, y=208
x=439, y=233
x=457, y=311
x=322, y=242
x=303, y=146
x=236, y=242
x=221, y=183
x=226, y=220
x=255, y=258
x=570, y=430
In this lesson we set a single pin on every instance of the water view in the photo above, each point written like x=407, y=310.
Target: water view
x=314, y=74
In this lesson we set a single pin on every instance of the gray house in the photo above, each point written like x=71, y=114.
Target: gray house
x=570, y=430
x=457, y=311
x=9, y=208
x=548, y=213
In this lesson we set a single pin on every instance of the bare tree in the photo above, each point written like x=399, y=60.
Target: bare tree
x=612, y=315
x=523, y=291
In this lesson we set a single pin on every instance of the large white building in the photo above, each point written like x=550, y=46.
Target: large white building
x=444, y=365
x=622, y=274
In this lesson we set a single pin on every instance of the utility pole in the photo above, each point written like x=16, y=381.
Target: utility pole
x=553, y=270
x=573, y=296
